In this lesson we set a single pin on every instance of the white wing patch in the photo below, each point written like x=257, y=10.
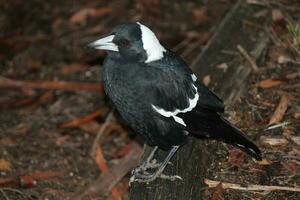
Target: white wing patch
x=151, y=44
x=194, y=77
x=192, y=105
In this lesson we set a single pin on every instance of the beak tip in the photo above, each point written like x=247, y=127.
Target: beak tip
x=90, y=45
x=105, y=43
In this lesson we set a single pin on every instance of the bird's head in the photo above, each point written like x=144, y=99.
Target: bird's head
x=133, y=41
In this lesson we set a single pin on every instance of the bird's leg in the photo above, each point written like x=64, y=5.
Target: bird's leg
x=150, y=177
x=147, y=163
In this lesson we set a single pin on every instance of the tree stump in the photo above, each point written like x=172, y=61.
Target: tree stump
x=192, y=160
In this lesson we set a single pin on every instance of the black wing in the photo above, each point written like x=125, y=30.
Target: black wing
x=175, y=85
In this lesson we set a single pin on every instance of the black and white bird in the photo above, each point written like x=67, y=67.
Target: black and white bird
x=158, y=95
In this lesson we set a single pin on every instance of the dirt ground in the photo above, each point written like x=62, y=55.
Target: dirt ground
x=52, y=104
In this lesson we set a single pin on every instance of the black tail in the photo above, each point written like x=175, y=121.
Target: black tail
x=218, y=128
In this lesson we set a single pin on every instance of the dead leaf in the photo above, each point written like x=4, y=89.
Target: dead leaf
x=17, y=103
x=123, y=188
x=53, y=85
x=201, y=37
x=261, y=13
x=30, y=180
x=295, y=139
x=7, y=141
x=94, y=30
x=46, y=97
x=277, y=15
x=5, y=165
x=291, y=166
x=264, y=161
x=29, y=91
x=81, y=16
x=107, y=181
x=272, y=141
x=268, y=83
x=217, y=192
x=33, y=64
x=297, y=115
x=200, y=15
x=296, y=150
x=61, y=140
x=84, y=119
x=115, y=194
x=124, y=150
x=236, y=157
x=71, y=68
x=206, y=80
x=21, y=128
x=91, y=127
x=256, y=170
x=223, y=66
x=100, y=159
x=283, y=59
x=280, y=110
x=7, y=181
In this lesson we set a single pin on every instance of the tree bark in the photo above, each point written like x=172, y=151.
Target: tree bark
x=193, y=160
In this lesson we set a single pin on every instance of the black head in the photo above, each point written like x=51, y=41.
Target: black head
x=133, y=41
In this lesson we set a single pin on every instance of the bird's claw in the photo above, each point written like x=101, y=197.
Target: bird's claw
x=146, y=178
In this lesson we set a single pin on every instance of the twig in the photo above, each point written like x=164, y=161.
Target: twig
x=104, y=184
x=248, y=58
x=273, y=141
x=52, y=85
x=3, y=192
x=101, y=131
x=234, y=186
x=277, y=125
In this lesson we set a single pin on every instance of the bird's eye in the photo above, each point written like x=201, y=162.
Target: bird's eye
x=124, y=43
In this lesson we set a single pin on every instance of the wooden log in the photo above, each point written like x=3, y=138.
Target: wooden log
x=193, y=160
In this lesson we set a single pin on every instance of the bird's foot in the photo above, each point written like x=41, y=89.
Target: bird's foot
x=141, y=174
x=146, y=178
x=142, y=169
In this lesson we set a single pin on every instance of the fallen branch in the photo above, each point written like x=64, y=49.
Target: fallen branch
x=104, y=184
x=52, y=85
x=234, y=186
x=248, y=58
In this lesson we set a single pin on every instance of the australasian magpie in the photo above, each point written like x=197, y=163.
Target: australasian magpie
x=158, y=95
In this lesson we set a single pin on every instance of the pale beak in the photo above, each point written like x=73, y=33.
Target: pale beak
x=105, y=43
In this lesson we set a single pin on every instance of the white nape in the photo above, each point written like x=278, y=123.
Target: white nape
x=192, y=105
x=151, y=44
x=194, y=77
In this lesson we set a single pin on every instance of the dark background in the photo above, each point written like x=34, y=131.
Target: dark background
x=49, y=120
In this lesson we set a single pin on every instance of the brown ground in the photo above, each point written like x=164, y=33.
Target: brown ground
x=39, y=40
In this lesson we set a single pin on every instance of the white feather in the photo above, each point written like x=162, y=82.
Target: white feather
x=192, y=105
x=179, y=120
x=194, y=77
x=155, y=51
